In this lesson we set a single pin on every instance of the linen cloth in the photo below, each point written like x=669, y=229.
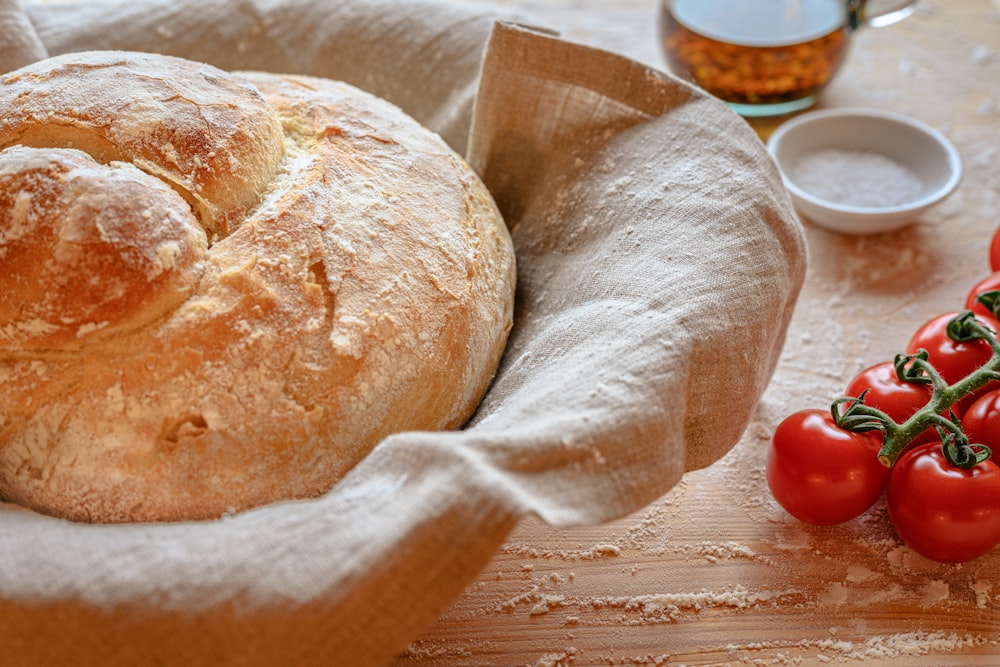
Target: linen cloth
x=659, y=261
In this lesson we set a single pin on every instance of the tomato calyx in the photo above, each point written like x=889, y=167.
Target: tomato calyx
x=964, y=327
x=959, y=452
x=851, y=414
x=858, y=417
x=990, y=300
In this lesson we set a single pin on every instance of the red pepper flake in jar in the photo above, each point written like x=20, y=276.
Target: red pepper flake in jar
x=748, y=58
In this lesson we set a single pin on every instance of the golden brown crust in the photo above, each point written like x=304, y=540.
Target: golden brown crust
x=70, y=220
x=352, y=280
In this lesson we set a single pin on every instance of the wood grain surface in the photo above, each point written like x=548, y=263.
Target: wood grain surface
x=714, y=572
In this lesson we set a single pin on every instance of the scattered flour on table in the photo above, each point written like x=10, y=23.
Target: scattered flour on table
x=558, y=659
x=659, y=607
x=835, y=650
x=982, y=590
x=642, y=609
x=722, y=551
x=898, y=645
x=598, y=551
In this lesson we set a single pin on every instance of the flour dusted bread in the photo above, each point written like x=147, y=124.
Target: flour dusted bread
x=221, y=290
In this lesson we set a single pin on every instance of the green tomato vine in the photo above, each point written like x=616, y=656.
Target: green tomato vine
x=852, y=414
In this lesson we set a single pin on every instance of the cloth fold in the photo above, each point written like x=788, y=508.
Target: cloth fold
x=423, y=55
x=659, y=262
x=20, y=45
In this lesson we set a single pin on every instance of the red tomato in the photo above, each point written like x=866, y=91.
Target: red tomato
x=952, y=360
x=990, y=283
x=944, y=513
x=995, y=250
x=981, y=422
x=822, y=474
x=888, y=393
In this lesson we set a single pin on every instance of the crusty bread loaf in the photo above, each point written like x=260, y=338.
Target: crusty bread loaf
x=221, y=290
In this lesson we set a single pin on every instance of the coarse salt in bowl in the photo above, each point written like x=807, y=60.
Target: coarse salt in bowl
x=864, y=171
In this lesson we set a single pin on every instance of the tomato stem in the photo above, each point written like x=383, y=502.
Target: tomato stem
x=916, y=368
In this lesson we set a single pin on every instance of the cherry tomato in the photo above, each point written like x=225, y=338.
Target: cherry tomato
x=886, y=392
x=981, y=422
x=822, y=474
x=947, y=514
x=951, y=359
x=995, y=250
x=990, y=283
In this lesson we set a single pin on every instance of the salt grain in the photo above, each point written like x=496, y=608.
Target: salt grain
x=856, y=178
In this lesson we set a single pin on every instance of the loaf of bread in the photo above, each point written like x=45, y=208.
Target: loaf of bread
x=220, y=290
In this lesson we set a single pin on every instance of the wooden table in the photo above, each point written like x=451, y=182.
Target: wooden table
x=715, y=572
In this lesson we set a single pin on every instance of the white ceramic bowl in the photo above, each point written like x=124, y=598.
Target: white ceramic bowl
x=923, y=153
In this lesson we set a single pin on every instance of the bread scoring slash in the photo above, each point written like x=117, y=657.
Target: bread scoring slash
x=220, y=290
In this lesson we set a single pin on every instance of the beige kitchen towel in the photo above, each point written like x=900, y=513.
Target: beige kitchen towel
x=19, y=43
x=659, y=261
